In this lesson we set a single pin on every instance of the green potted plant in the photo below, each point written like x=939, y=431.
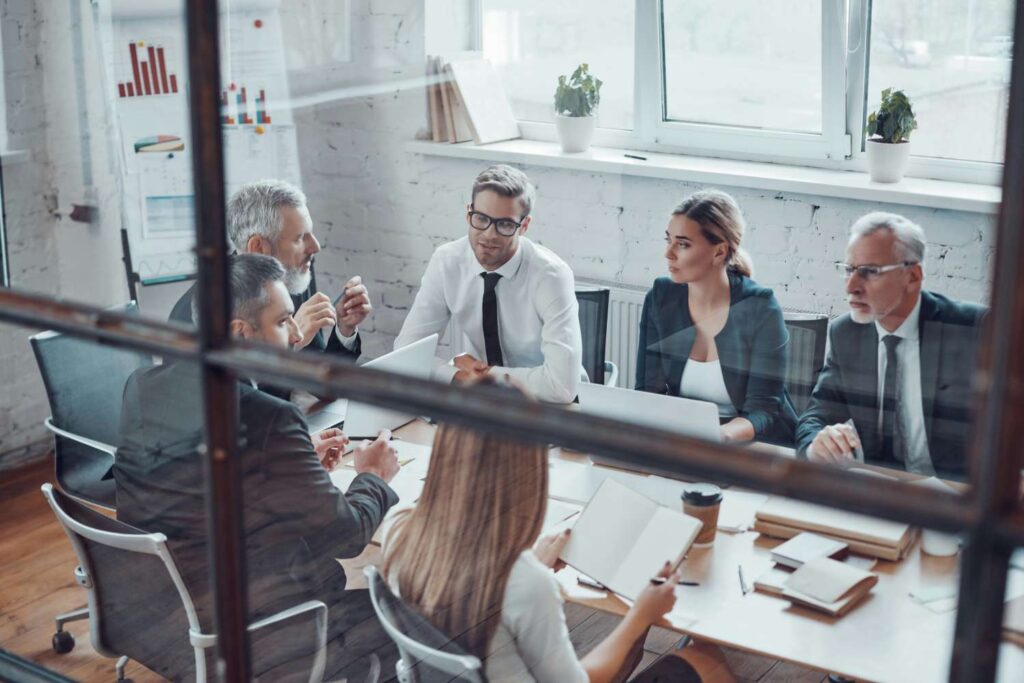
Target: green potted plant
x=576, y=101
x=888, y=143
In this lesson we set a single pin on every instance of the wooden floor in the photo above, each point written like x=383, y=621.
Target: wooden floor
x=36, y=583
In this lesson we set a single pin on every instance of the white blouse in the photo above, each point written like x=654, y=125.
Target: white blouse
x=704, y=382
x=532, y=641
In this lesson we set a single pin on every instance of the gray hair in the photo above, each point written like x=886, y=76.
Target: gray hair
x=909, y=235
x=506, y=181
x=253, y=210
x=248, y=275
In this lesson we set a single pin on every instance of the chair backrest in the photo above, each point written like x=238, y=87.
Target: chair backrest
x=808, y=333
x=593, y=311
x=428, y=655
x=84, y=383
x=139, y=605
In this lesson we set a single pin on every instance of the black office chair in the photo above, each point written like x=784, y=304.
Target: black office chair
x=141, y=609
x=593, y=311
x=428, y=655
x=808, y=333
x=84, y=383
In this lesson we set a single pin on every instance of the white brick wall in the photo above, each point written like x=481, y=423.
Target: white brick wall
x=385, y=209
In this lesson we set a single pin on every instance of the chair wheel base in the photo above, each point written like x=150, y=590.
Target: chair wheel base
x=63, y=642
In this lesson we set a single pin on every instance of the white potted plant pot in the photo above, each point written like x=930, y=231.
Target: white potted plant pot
x=575, y=132
x=887, y=161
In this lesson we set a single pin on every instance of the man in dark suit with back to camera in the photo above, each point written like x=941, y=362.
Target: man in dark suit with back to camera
x=898, y=376
x=270, y=217
x=296, y=522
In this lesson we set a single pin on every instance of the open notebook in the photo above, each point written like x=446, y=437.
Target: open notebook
x=622, y=538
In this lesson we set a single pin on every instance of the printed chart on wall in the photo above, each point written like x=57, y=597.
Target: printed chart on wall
x=144, y=52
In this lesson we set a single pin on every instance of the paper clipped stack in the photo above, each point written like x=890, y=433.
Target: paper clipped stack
x=466, y=101
x=884, y=539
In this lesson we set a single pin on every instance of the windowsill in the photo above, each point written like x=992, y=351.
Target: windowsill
x=14, y=156
x=938, y=194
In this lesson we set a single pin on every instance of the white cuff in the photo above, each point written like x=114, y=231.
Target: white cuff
x=347, y=342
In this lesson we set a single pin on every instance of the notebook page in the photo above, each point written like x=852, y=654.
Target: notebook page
x=666, y=536
x=606, y=531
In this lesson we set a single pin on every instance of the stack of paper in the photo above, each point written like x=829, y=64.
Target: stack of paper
x=785, y=518
x=623, y=538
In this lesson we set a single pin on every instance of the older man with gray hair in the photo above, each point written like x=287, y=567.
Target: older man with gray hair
x=270, y=217
x=896, y=386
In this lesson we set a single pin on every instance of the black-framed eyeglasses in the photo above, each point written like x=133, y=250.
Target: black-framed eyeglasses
x=871, y=272
x=506, y=227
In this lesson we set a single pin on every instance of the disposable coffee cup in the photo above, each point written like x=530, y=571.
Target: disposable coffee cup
x=703, y=501
x=939, y=544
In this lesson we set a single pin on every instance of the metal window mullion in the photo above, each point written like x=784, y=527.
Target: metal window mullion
x=225, y=530
x=833, y=80
x=648, y=70
x=857, y=60
x=996, y=443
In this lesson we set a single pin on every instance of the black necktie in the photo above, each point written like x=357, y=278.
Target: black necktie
x=492, y=343
x=890, y=392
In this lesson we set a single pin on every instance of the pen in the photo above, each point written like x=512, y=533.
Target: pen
x=743, y=582
x=659, y=580
x=634, y=156
x=587, y=583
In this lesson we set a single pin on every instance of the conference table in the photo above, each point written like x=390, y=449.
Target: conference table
x=889, y=636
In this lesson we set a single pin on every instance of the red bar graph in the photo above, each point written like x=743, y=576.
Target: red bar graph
x=149, y=72
x=154, y=71
x=163, y=69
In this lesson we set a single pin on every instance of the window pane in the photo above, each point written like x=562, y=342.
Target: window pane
x=953, y=60
x=533, y=42
x=746, y=63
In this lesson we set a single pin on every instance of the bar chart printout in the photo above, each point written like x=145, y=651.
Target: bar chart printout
x=149, y=75
x=240, y=113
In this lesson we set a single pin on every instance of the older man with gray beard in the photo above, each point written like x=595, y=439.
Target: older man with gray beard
x=896, y=384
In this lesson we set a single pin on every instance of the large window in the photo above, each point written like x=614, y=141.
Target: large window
x=765, y=80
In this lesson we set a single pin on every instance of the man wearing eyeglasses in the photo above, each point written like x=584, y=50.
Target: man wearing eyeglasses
x=513, y=301
x=896, y=386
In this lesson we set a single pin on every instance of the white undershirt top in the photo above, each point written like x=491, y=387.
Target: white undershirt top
x=704, y=382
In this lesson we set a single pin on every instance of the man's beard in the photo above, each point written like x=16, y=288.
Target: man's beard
x=296, y=281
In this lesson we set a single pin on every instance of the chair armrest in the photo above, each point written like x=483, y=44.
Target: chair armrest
x=611, y=374
x=92, y=443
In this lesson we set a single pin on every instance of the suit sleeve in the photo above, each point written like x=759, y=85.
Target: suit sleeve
x=828, y=402
x=763, y=404
x=650, y=373
x=298, y=492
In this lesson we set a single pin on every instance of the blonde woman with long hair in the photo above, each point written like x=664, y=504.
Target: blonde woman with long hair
x=464, y=557
x=708, y=331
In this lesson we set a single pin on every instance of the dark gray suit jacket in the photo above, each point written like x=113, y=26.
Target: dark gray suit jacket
x=296, y=521
x=848, y=385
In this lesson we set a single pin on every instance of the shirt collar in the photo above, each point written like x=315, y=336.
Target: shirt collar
x=908, y=329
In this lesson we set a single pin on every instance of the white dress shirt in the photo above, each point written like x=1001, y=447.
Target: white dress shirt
x=910, y=406
x=538, y=319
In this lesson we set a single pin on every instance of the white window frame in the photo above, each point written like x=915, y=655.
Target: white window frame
x=845, y=23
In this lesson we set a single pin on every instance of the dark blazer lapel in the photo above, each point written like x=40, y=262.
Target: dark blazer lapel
x=930, y=336
x=729, y=345
x=676, y=349
x=863, y=381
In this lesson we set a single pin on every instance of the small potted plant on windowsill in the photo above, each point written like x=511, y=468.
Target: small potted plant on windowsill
x=888, y=143
x=576, y=101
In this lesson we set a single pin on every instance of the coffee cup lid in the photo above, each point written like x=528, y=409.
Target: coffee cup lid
x=702, y=494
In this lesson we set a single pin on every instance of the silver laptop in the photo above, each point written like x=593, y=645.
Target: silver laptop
x=671, y=413
x=363, y=420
